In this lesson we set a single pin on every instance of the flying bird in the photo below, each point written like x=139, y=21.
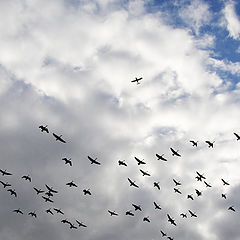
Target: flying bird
x=176, y=182
x=112, y=213
x=198, y=192
x=170, y=238
x=207, y=185
x=176, y=190
x=4, y=172
x=12, y=192
x=137, y=207
x=231, y=208
x=94, y=161
x=163, y=234
x=123, y=163
x=80, y=224
x=71, y=184
x=210, y=144
x=86, y=192
x=27, y=177
x=59, y=138
x=157, y=206
x=175, y=153
x=49, y=211
x=146, y=219
x=132, y=183
x=144, y=173
x=50, y=189
x=5, y=184
x=192, y=213
x=156, y=184
x=49, y=194
x=44, y=128
x=67, y=161
x=224, y=196
x=194, y=143
x=224, y=182
x=200, y=176
x=65, y=221
x=38, y=191
x=72, y=226
x=237, y=136
x=129, y=213
x=171, y=220
x=160, y=157
x=189, y=196
x=18, y=211
x=47, y=199
x=33, y=214
x=137, y=80
x=58, y=210
x=183, y=215
x=139, y=162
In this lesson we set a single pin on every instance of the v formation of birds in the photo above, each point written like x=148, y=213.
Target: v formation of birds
x=47, y=192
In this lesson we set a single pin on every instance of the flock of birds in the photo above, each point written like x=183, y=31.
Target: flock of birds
x=48, y=193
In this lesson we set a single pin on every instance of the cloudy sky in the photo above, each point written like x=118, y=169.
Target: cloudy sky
x=69, y=64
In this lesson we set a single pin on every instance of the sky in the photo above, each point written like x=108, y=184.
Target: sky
x=68, y=64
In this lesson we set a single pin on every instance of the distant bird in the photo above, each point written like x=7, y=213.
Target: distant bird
x=139, y=162
x=132, y=183
x=47, y=199
x=156, y=184
x=224, y=196
x=129, y=213
x=170, y=238
x=157, y=206
x=50, y=189
x=65, y=221
x=49, y=211
x=231, y=208
x=59, y=138
x=67, y=161
x=137, y=80
x=210, y=144
x=86, y=192
x=224, y=182
x=137, y=207
x=72, y=226
x=38, y=191
x=176, y=182
x=163, y=234
x=44, y=128
x=12, y=192
x=176, y=190
x=207, y=185
x=183, y=215
x=237, y=136
x=200, y=176
x=27, y=177
x=58, y=210
x=192, y=213
x=171, y=220
x=160, y=157
x=80, y=224
x=175, y=153
x=189, y=196
x=94, y=161
x=49, y=194
x=146, y=219
x=33, y=214
x=4, y=172
x=113, y=213
x=144, y=173
x=123, y=163
x=18, y=211
x=5, y=184
x=194, y=143
x=198, y=192
x=71, y=184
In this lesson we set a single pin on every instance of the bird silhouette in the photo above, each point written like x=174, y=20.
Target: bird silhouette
x=67, y=161
x=44, y=128
x=137, y=207
x=5, y=184
x=12, y=192
x=27, y=177
x=156, y=184
x=157, y=206
x=123, y=163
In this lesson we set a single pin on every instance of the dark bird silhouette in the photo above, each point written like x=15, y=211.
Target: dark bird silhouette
x=231, y=208
x=132, y=183
x=156, y=184
x=139, y=162
x=207, y=185
x=194, y=143
x=27, y=177
x=33, y=214
x=224, y=196
x=171, y=220
x=5, y=184
x=49, y=211
x=183, y=215
x=224, y=182
x=129, y=213
x=72, y=226
x=67, y=161
x=176, y=190
x=137, y=80
x=198, y=192
x=163, y=234
x=71, y=184
x=38, y=191
x=210, y=144
x=123, y=163
x=4, y=172
x=44, y=128
x=47, y=199
x=200, y=176
x=50, y=189
x=12, y=192
x=86, y=192
x=18, y=211
x=58, y=210
x=170, y=238
x=112, y=213
x=94, y=161
x=237, y=136
x=49, y=194
x=192, y=213
x=146, y=219
x=175, y=153
x=80, y=224
x=137, y=207
x=160, y=157
x=176, y=182
x=65, y=221
x=144, y=173
x=157, y=206
x=59, y=138
x=189, y=196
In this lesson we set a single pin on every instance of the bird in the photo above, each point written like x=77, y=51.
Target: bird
x=18, y=211
x=157, y=206
x=80, y=224
x=189, y=196
x=33, y=214
x=65, y=221
x=94, y=161
x=86, y=192
x=144, y=173
x=156, y=184
x=176, y=182
x=237, y=136
x=113, y=213
x=194, y=143
x=58, y=210
x=177, y=191
x=4, y=172
x=200, y=176
x=137, y=80
x=137, y=207
x=170, y=238
x=139, y=162
x=132, y=183
x=224, y=196
x=49, y=211
x=198, y=192
x=44, y=128
x=49, y=194
x=231, y=208
x=27, y=177
x=72, y=226
x=192, y=213
x=163, y=234
x=5, y=184
x=47, y=199
x=129, y=213
x=146, y=219
x=12, y=192
x=59, y=138
x=38, y=191
x=160, y=157
x=171, y=220
x=71, y=184
x=175, y=153
x=207, y=185
x=123, y=163
x=67, y=161
x=50, y=189
x=183, y=215
x=224, y=182
x=210, y=144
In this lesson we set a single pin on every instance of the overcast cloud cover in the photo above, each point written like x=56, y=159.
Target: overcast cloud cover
x=69, y=64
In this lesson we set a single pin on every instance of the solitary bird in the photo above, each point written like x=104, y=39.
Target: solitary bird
x=112, y=213
x=18, y=211
x=94, y=161
x=38, y=191
x=49, y=211
x=177, y=191
x=194, y=143
x=129, y=213
x=144, y=173
x=189, y=196
x=71, y=184
x=192, y=213
x=175, y=153
x=44, y=128
x=224, y=182
x=198, y=192
x=157, y=206
x=33, y=214
x=27, y=177
x=207, y=185
x=170, y=238
x=86, y=192
x=163, y=234
x=132, y=183
x=59, y=138
x=137, y=207
x=137, y=80
x=50, y=189
x=65, y=221
x=146, y=219
x=231, y=208
x=237, y=136
x=160, y=157
x=156, y=184
x=12, y=192
x=176, y=182
x=123, y=163
x=4, y=172
x=210, y=144
x=224, y=196
x=80, y=224
x=183, y=215
x=58, y=210
x=67, y=161
x=5, y=184
x=139, y=162
x=47, y=199
x=200, y=176
x=72, y=226
x=171, y=220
